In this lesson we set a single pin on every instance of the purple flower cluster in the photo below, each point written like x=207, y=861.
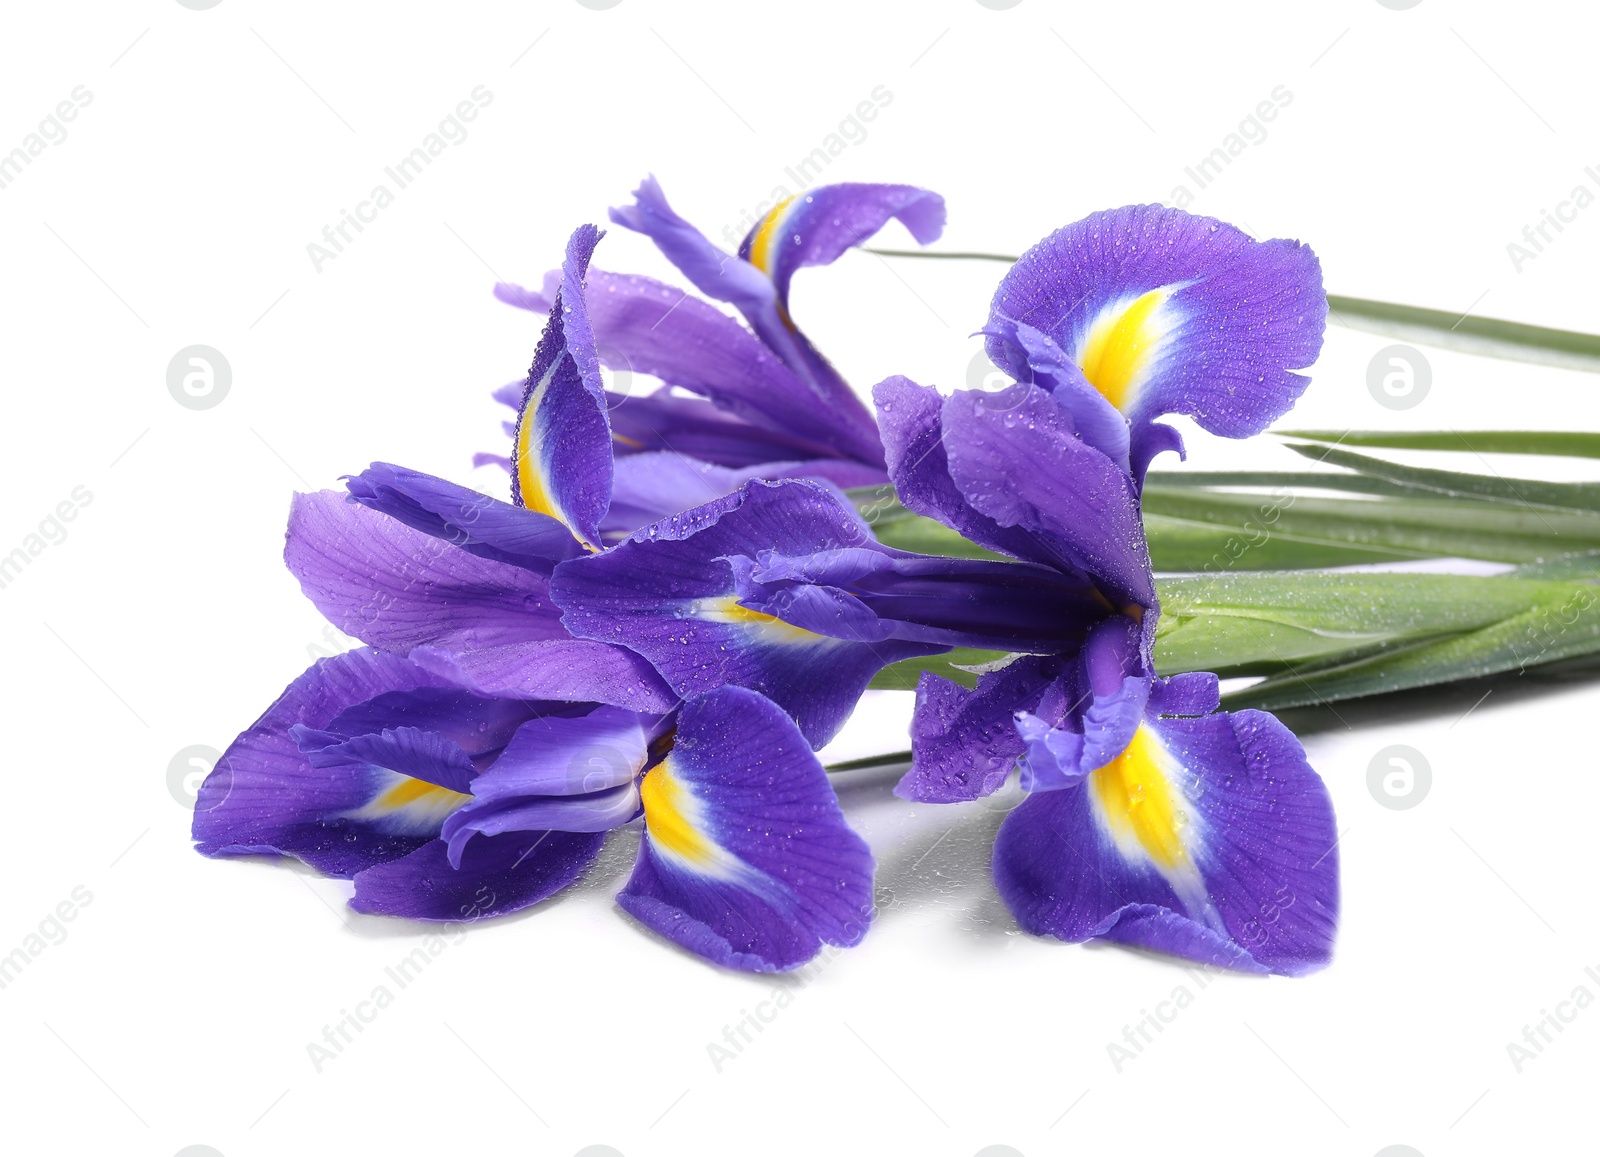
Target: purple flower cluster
x=679, y=606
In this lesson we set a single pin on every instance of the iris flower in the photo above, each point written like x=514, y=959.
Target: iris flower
x=1151, y=818
x=736, y=402
x=469, y=761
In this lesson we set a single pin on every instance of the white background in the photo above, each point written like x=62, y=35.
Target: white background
x=177, y=211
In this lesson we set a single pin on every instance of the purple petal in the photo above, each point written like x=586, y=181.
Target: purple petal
x=747, y=859
x=1015, y=459
x=818, y=226
x=476, y=723
x=569, y=755
x=475, y=522
x=264, y=795
x=498, y=874
x=694, y=427
x=572, y=773
x=724, y=277
x=964, y=743
x=653, y=486
x=670, y=594
x=1172, y=313
x=911, y=419
x=562, y=444
x=644, y=326
x=1211, y=839
x=1192, y=693
x=1034, y=357
x=407, y=751
x=536, y=300
x=398, y=588
x=572, y=670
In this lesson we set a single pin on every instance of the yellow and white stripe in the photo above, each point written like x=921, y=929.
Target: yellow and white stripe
x=404, y=805
x=533, y=482
x=1138, y=801
x=1124, y=342
x=759, y=626
x=674, y=818
x=762, y=244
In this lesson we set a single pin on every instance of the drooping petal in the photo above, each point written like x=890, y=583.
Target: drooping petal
x=814, y=228
x=1016, y=460
x=1039, y=360
x=475, y=522
x=477, y=724
x=671, y=594
x=868, y=594
x=1166, y=312
x=911, y=420
x=652, y=486
x=1210, y=838
x=567, y=772
x=964, y=743
x=265, y=797
x=408, y=752
x=715, y=273
x=397, y=588
x=574, y=670
x=818, y=226
x=747, y=859
x=562, y=444
x=498, y=874
x=570, y=755
x=671, y=422
x=644, y=326
x=535, y=300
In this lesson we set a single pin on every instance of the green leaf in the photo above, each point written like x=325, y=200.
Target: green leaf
x=1384, y=529
x=1245, y=623
x=1180, y=544
x=1563, y=496
x=1272, y=480
x=1580, y=567
x=1554, y=443
x=1484, y=336
x=1559, y=627
x=955, y=665
x=1212, y=530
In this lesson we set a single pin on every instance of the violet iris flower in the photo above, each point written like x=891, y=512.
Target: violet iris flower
x=736, y=402
x=469, y=761
x=1152, y=818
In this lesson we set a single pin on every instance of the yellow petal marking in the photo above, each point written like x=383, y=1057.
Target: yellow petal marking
x=761, y=244
x=1121, y=343
x=766, y=628
x=667, y=804
x=1138, y=802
